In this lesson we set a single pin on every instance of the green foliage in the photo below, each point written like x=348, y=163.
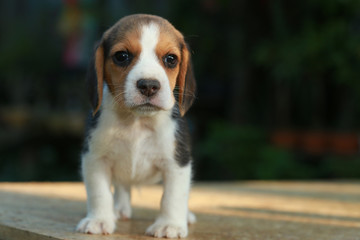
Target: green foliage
x=243, y=152
x=232, y=152
x=323, y=42
x=28, y=50
x=340, y=166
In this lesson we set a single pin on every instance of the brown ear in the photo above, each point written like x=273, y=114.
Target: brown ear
x=186, y=82
x=95, y=79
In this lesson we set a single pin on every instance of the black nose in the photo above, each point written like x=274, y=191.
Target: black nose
x=148, y=87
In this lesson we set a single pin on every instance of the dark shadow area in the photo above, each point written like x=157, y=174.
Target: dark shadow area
x=278, y=85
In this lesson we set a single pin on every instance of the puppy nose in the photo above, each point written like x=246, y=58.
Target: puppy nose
x=148, y=87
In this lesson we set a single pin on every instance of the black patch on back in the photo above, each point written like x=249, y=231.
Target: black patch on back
x=182, y=136
x=91, y=124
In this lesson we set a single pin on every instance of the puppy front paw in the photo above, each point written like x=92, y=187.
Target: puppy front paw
x=167, y=229
x=96, y=226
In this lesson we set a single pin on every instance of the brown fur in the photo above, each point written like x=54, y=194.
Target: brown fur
x=168, y=44
x=99, y=63
x=115, y=75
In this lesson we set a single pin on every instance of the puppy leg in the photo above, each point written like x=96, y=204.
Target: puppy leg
x=100, y=218
x=191, y=218
x=122, y=201
x=173, y=219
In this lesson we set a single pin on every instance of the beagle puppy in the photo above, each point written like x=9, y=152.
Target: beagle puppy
x=140, y=84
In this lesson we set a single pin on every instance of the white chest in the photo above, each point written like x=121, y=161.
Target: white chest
x=135, y=150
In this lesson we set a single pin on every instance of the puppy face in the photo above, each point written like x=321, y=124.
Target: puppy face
x=143, y=59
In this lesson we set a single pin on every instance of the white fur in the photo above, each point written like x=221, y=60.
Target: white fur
x=129, y=149
x=148, y=67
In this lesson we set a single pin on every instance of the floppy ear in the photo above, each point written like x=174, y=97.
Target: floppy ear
x=95, y=78
x=186, y=82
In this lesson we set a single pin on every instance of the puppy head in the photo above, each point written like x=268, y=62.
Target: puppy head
x=146, y=65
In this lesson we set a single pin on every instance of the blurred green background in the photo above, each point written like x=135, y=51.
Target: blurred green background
x=278, y=85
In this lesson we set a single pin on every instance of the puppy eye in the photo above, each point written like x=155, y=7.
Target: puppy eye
x=122, y=58
x=170, y=60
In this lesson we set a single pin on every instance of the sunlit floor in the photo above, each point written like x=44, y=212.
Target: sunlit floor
x=243, y=210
